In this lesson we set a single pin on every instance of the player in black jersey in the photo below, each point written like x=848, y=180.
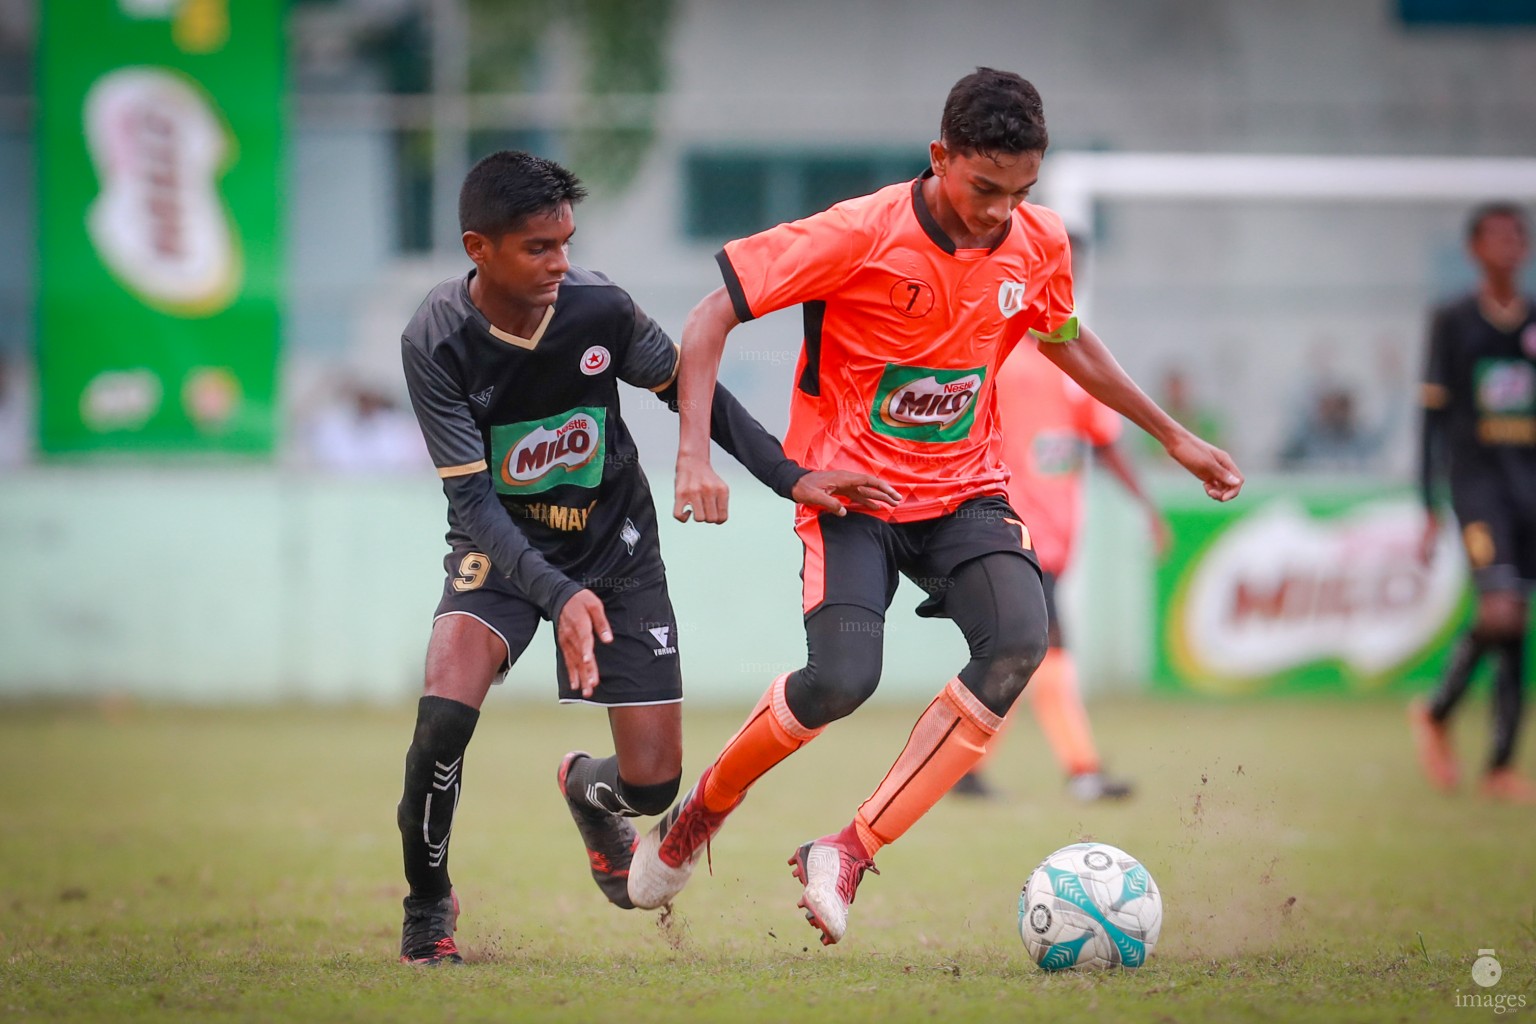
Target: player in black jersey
x=513, y=371
x=1479, y=397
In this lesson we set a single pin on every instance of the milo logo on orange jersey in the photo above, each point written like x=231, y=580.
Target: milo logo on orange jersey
x=915, y=403
x=566, y=448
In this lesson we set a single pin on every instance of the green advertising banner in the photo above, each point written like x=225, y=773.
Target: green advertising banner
x=1305, y=588
x=159, y=127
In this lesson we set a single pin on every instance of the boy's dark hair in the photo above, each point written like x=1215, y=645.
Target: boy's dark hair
x=1496, y=209
x=507, y=187
x=990, y=112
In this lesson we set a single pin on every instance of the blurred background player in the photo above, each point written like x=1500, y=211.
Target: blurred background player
x=1048, y=423
x=912, y=295
x=1479, y=397
x=513, y=371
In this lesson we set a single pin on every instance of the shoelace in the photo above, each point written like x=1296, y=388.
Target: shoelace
x=695, y=826
x=850, y=871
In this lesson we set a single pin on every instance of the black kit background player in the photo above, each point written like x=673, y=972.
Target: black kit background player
x=513, y=371
x=1479, y=397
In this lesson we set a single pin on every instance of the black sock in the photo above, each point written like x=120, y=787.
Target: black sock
x=1508, y=698
x=1458, y=674
x=595, y=782
x=433, y=774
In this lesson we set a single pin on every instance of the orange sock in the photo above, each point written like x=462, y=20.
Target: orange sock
x=770, y=734
x=947, y=741
x=1058, y=707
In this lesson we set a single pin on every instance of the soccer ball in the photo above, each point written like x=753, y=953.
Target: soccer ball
x=1090, y=905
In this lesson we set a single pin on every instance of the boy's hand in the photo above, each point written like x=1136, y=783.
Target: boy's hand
x=823, y=488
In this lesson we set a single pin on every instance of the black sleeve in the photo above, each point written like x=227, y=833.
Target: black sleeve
x=1431, y=456
x=649, y=359
x=745, y=439
x=442, y=410
x=1435, y=399
x=458, y=451
x=481, y=514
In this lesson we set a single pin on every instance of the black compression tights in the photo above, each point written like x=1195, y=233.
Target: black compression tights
x=1508, y=688
x=996, y=601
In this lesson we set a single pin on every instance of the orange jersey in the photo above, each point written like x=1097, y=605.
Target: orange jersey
x=1048, y=423
x=903, y=337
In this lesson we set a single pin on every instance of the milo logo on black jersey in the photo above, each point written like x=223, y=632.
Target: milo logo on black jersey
x=566, y=448
x=918, y=404
x=1506, y=402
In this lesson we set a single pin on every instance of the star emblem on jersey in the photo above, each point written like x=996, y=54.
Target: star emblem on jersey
x=663, y=636
x=1010, y=297
x=484, y=397
x=629, y=535
x=595, y=360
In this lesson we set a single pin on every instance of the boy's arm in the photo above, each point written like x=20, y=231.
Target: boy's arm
x=1087, y=361
x=735, y=429
x=1434, y=396
x=697, y=487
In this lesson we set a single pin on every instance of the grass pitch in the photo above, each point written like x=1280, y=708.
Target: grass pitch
x=171, y=864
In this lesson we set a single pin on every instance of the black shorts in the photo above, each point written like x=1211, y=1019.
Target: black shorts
x=1500, y=538
x=641, y=666
x=855, y=559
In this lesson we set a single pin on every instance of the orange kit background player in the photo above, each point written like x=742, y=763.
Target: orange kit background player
x=1049, y=424
x=911, y=298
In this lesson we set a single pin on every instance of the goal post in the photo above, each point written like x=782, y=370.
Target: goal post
x=1246, y=329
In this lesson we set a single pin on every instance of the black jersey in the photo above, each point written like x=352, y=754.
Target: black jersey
x=535, y=423
x=1479, y=396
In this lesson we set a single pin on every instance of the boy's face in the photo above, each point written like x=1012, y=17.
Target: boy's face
x=984, y=190
x=526, y=265
x=1500, y=245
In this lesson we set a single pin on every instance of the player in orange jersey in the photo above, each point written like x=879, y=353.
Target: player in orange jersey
x=912, y=297
x=1048, y=424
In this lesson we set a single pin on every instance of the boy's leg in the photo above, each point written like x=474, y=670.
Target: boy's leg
x=463, y=658
x=843, y=645
x=1428, y=718
x=997, y=602
x=1505, y=627
x=640, y=682
x=1465, y=656
x=481, y=627
x=843, y=656
x=849, y=578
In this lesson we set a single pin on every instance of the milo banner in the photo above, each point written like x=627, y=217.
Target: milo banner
x=159, y=123
x=1305, y=590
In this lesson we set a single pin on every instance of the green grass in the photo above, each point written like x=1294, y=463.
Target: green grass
x=222, y=865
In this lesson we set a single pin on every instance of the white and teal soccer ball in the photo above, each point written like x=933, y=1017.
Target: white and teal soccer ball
x=1090, y=905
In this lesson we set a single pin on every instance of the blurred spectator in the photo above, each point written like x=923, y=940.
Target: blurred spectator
x=366, y=431
x=1329, y=432
x=1329, y=435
